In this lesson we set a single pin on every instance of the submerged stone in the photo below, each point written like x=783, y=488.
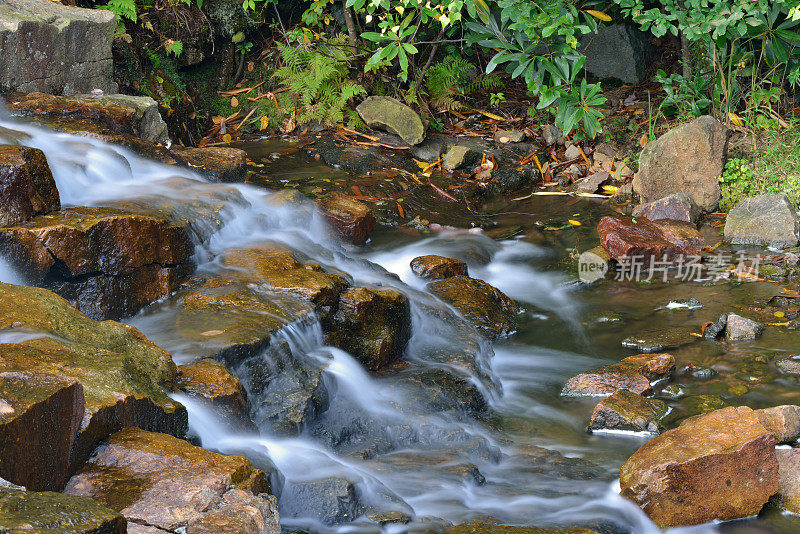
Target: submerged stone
x=161, y=481
x=27, y=187
x=55, y=513
x=657, y=340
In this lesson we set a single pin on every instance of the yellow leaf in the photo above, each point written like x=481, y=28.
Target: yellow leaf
x=643, y=141
x=736, y=119
x=226, y=138
x=599, y=15
x=264, y=123
x=490, y=115
x=234, y=102
x=573, y=222
x=779, y=314
x=610, y=189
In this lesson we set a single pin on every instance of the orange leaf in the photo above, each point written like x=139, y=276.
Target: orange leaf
x=234, y=102
x=643, y=141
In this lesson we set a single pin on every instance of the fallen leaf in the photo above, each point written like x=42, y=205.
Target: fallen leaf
x=573, y=222
x=226, y=138
x=234, y=102
x=643, y=141
x=264, y=123
x=598, y=15
x=736, y=119
x=212, y=332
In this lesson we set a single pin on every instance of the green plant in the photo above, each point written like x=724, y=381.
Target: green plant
x=495, y=99
x=450, y=80
x=318, y=78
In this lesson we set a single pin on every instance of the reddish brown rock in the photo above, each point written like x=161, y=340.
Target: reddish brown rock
x=433, y=267
x=491, y=311
x=39, y=419
x=212, y=383
x=677, y=207
x=627, y=238
x=165, y=482
x=348, y=217
x=634, y=374
x=717, y=466
x=222, y=164
x=373, y=325
x=27, y=187
x=109, y=262
x=628, y=411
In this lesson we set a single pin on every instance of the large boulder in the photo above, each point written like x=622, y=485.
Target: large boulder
x=491, y=311
x=50, y=513
x=387, y=113
x=717, y=466
x=39, y=419
x=134, y=115
x=27, y=187
x=619, y=52
x=373, y=325
x=55, y=48
x=631, y=238
x=109, y=262
x=349, y=218
x=164, y=482
x=123, y=375
x=763, y=220
x=634, y=374
x=687, y=159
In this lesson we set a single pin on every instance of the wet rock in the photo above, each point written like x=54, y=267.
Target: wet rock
x=161, y=481
x=618, y=52
x=677, y=207
x=47, y=512
x=739, y=328
x=782, y=421
x=789, y=365
x=221, y=164
x=490, y=310
x=122, y=373
x=109, y=262
x=639, y=239
x=348, y=217
x=485, y=528
x=39, y=419
x=788, y=497
x=134, y=115
x=715, y=329
x=373, y=325
x=763, y=220
x=57, y=49
x=329, y=500
x=455, y=157
x=387, y=113
x=432, y=148
x=509, y=136
x=634, y=374
x=210, y=382
x=628, y=411
x=27, y=187
x=592, y=183
x=688, y=159
x=657, y=340
x=721, y=466
x=433, y=267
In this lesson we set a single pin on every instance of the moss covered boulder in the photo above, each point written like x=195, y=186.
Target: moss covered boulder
x=123, y=375
x=433, y=267
x=634, y=374
x=108, y=262
x=27, y=187
x=389, y=114
x=372, y=324
x=490, y=310
x=39, y=419
x=55, y=513
x=161, y=481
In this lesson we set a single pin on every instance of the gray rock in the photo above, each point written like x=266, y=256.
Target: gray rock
x=740, y=328
x=688, y=159
x=715, y=329
x=764, y=219
x=509, y=136
x=387, y=113
x=455, y=157
x=431, y=149
x=628, y=411
x=572, y=152
x=656, y=340
x=789, y=365
x=678, y=207
x=592, y=183
x=552, y=134
x=618, y=51
x=53, y=48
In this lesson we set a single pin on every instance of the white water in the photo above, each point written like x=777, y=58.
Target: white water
x=423, y=479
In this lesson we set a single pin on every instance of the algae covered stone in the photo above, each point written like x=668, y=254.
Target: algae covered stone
x=55, y=513
x=387, y=113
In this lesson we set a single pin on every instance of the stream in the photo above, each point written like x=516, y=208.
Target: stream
x=445, y=466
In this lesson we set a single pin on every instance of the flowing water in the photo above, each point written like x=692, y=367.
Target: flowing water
x=443, y=466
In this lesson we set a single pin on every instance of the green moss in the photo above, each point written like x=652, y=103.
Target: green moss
x=54, y=513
